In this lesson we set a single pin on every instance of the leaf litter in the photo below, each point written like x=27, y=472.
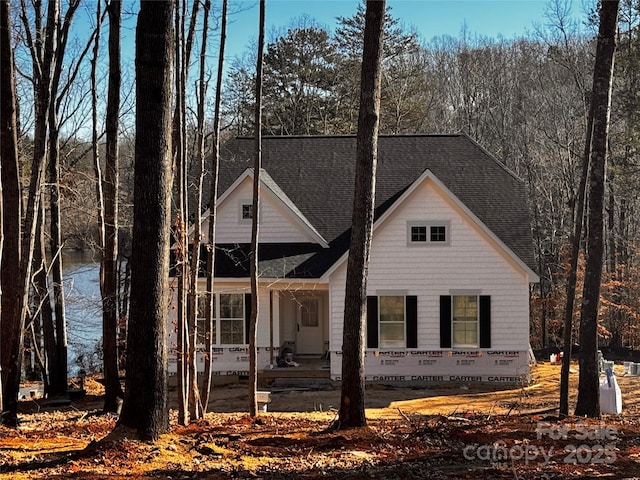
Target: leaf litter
x=411, y=434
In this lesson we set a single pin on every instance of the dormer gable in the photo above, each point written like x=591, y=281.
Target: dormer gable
x=281, y=221
x=436, y=232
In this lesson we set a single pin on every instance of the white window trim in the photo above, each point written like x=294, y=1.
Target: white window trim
x=428, y=224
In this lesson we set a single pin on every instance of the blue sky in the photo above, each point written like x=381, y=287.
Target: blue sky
x=491, y=18
x=431, y=18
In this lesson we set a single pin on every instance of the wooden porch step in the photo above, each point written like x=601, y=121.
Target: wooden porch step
x=293, y=373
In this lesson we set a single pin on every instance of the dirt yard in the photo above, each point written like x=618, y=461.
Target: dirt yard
x=386, y=402
x=446, y=433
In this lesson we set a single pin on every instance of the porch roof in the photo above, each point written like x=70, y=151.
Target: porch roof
x=275, y=260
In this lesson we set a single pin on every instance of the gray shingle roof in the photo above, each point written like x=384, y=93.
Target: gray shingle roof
x=317, y=175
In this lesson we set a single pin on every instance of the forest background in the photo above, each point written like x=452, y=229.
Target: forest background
x=525, y=99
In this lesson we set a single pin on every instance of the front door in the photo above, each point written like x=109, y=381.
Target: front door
x=309, y=327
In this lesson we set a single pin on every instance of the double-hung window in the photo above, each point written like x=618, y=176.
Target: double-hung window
x=232, y=318
x=465, y=321
x=392, y=321
x=391, y=316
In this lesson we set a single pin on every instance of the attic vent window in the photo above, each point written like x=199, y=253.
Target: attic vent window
x=247, y=211
x=427, y=233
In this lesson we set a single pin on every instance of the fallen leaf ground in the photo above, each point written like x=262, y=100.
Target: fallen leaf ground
x=449, y=433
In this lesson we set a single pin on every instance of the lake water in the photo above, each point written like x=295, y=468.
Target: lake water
x=81, y=274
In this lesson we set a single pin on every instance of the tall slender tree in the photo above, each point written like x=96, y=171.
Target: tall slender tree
x=182, y=215
x=352, y=398
x=588, y=403
x=213, y=201
x=108, y=264
x=255, y=220
x=195, y=402
x=576, y=240
x=97, y=167
x=145, y=401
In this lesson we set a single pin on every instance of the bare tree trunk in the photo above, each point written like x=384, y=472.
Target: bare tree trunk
x=97, y=168
x=182, y=333
x=352, y=413
x=59, y=376
x=145, y=403
x=576, y=239
x=10, y=205
x=213, y=200
x=108, y=265
x=123, y=272
x=34, y=332
x=588, y=403
x=182, y=240
x=255, y=221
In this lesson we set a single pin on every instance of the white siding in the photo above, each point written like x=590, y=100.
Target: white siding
x=277, y=224
x=470, y=261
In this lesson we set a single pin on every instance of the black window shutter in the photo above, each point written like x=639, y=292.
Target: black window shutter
x=247, y=316
x=412, y=321
x=445, y=321
x=372, y=322
x=485, y=321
